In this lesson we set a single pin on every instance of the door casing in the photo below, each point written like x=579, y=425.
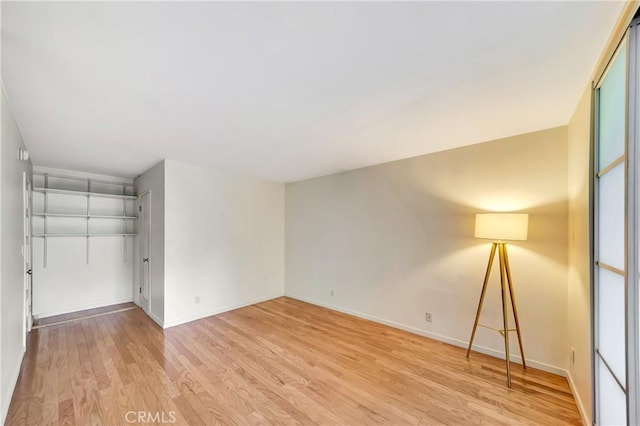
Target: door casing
x=144, y=248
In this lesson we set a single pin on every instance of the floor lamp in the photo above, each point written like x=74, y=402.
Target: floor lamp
x=501, y=227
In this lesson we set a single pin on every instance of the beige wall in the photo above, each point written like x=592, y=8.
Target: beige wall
x=579, y=305
x=394, y=241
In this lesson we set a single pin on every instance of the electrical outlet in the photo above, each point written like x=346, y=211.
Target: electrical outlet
x=573, y=356
x=427, y=316
x=197, y=299
x=331, y=292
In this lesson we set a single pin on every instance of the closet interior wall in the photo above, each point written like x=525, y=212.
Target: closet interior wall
x=84, y=229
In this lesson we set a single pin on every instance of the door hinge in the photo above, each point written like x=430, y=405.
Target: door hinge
x=140, y=290
x=139, y=208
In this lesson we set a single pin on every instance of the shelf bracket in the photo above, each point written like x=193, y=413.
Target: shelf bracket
x=44, y=260
x=46, y=199
x=88, y=215
x=124, y=222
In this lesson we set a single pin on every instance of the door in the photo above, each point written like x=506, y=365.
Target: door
x=26, y=254
x=615, y=220
x=144, y=221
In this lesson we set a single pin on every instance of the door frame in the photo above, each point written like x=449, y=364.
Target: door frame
x=633, y=228
x=147, y=308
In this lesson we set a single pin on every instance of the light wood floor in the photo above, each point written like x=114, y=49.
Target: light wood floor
x=278, y=362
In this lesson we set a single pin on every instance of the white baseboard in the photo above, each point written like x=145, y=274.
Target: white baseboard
x=576, y=396
x=155, y=319
x=82, y=307
x=13, y=381
x=456, y=342
x=149, y=314
x=183, y=320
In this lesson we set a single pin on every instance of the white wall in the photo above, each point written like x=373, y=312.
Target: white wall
x=68, y=283
x=224, y=241
x=12, y=271
x=396, y=240
x=153, y=181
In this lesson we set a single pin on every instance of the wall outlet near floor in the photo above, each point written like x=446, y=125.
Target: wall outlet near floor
x=427, y=317
x=331, y=292
x=197, y=299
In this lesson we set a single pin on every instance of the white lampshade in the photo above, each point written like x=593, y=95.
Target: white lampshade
x=502, y=226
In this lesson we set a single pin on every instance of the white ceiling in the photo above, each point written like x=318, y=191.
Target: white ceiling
x=288, y=91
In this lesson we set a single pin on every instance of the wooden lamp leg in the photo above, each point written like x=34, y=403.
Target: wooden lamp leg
x=482, y=294
x=505, y=319
x=506, y=287
x=514, y=306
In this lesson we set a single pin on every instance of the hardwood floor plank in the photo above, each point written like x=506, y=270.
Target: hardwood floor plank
x=279, y=362
x=259, y=375
x=65, y=412
x=242, y=386
x=187, y=411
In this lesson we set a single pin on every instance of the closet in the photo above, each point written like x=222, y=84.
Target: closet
x=83, y=229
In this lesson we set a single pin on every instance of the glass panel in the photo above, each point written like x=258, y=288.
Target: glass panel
x=612, y=402
x=611, y=217
x=611, y=323
x=610, y=320
x=612, y=108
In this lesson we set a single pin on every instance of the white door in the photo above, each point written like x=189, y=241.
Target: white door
x=144, y=220
x=26, y=253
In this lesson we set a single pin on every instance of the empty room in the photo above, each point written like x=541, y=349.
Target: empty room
x=320, y=212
